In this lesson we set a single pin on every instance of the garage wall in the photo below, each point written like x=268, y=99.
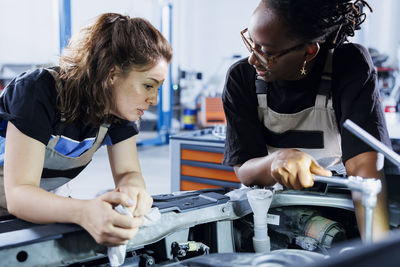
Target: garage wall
x=84, y=12
x=28, y=31
x=381, y=29
x=206, y=32
x=209, y=33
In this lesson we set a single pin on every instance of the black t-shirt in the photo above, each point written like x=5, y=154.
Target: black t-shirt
x=355, y=96
x=29, y=102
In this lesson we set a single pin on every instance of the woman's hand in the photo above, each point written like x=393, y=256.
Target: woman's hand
x=139, y=195
x=294, y=169
x=105, y=225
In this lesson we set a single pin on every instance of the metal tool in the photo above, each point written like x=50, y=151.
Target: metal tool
x=372, y=141
x=369, y=187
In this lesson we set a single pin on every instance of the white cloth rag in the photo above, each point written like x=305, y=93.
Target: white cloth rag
x=116, y=255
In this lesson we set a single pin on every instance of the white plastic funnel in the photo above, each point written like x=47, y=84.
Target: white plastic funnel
x=260, y=201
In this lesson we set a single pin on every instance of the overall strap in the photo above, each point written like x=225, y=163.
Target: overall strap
x=323, y=98
x=261, y=91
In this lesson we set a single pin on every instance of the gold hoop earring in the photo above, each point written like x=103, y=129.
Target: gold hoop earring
x=303, y=70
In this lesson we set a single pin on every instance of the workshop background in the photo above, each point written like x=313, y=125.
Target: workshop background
x=205, y=38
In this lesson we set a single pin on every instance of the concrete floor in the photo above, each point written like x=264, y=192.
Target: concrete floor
x=154, y=161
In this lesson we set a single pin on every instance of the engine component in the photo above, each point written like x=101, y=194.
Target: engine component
x=324, y=230
x=277, y=258
x=306, y=228
x=180, y=250
x=308, y=243
x=222, y=224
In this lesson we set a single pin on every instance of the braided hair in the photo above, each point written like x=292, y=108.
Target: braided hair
x=329, y=22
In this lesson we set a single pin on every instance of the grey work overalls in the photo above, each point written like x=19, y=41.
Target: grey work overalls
x=319, y=119
x=55, y=160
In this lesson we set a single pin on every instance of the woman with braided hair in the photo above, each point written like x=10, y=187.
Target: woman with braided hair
x=53, y=120
x=286, y=103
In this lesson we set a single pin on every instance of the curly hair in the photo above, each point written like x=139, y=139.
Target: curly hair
x=112, y=42
x=326, y=21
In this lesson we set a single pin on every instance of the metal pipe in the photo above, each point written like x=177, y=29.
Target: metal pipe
x=368, y=219
x=333, y=180
x=372, y=141
x=64, y=12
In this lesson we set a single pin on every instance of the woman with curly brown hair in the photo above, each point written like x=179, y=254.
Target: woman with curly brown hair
x=53, y=120
x=286, y=103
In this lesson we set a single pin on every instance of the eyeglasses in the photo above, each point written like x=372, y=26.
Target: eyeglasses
x=266, y=60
